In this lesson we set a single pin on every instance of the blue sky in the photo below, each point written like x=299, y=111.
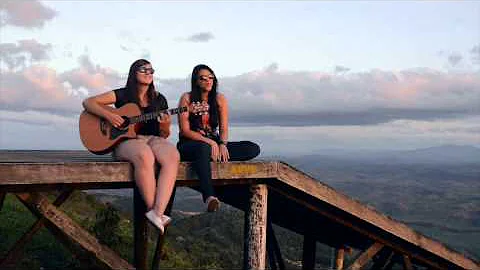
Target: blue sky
x=301, y=76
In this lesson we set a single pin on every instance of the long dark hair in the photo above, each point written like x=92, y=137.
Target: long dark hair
x=196, y=94
x=132, y=83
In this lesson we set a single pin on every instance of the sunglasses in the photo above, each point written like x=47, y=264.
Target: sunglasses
x=146, y=70
x=205, y=78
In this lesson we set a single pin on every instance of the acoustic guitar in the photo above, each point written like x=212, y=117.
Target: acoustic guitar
x=100, y=137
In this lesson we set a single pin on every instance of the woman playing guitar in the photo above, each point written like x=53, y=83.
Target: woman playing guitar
x=150, y=144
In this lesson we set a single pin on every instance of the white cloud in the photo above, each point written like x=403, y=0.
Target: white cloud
x=29, y=14
x=475, y=52
x=408, y=93
x=17, y=55
x=399, y=134
x=42, y=88
x=200, y=37
x=455, y=58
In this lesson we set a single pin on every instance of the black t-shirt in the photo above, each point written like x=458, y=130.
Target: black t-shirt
x=150, y=127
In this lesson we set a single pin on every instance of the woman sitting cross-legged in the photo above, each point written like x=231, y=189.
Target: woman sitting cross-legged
x=199, y=140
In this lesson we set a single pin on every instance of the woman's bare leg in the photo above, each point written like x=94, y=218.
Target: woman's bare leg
x=138, y=152
x=168, y=157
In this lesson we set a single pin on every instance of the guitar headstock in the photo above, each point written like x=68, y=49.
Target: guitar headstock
x=198, y=108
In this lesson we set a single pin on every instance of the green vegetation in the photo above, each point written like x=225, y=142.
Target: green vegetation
x=199, y=241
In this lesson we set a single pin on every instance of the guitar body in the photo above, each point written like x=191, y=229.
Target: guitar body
x=99, y=136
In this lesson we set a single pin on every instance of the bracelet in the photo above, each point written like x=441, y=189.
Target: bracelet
x=222, y=142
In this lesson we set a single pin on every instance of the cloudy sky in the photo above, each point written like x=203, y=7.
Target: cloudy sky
x=301, y=76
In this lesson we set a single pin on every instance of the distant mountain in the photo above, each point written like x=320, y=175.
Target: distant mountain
x=450, y=154
x=445, y=154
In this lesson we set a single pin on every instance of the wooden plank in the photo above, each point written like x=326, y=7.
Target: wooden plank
x=16, y=171
x=356, y=227
x=140, y=231
x=309, y=244
x=407, y=264
x=2, y=199
x=256, y=228
x=309, y=250
x=393, y=262
x=232, y=170
x=14, y=253
x=64, y=173
x=384, y=260
x=311, y=186
x=121, y=172
x=50, y=156
x=71, y=233
x=366, y=256
x=159, y=251
x=339, y=258
x=273, y=248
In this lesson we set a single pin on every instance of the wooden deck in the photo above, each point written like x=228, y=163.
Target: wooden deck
x=288, y=197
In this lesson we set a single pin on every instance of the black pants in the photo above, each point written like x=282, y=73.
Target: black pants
x=199, y=153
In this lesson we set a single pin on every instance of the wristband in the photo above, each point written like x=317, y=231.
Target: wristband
x=222, y=142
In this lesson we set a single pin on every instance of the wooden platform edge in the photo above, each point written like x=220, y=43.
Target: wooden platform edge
x=309, y=185
x=36, y=173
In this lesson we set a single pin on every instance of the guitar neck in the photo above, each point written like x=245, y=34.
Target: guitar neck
x=153, y=115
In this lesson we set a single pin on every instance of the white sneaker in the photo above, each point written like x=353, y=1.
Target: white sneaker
x=159, y=222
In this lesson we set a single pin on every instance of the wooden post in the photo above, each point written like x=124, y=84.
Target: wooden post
x=140, y=234
x=274, y=254
x=2, y=199
x=383, y=260
x=309, y=244
x=339, y=258
x=366, y=256
x=309, y=250
x=161, y=238
x=407, y=264
x=393, y=261
x=256, y=228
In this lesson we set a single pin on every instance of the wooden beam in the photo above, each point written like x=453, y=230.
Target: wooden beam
x=339, y=258
x=309, y=250
x=71, y=234
x=14, y=253
x=89, y=172
x=431, y=263
x=383, y=261
x=366, y=256
x=256, y=228
x=22, y=173
x=304, y=183
x=140, y=232
x=392, y=262
x=407, y=264
x=309, y=245
x=159, y=251
x=274, y=253
x=2, y=199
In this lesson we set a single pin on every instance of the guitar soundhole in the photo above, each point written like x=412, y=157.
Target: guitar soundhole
x=104, y=126
x=116, y=132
